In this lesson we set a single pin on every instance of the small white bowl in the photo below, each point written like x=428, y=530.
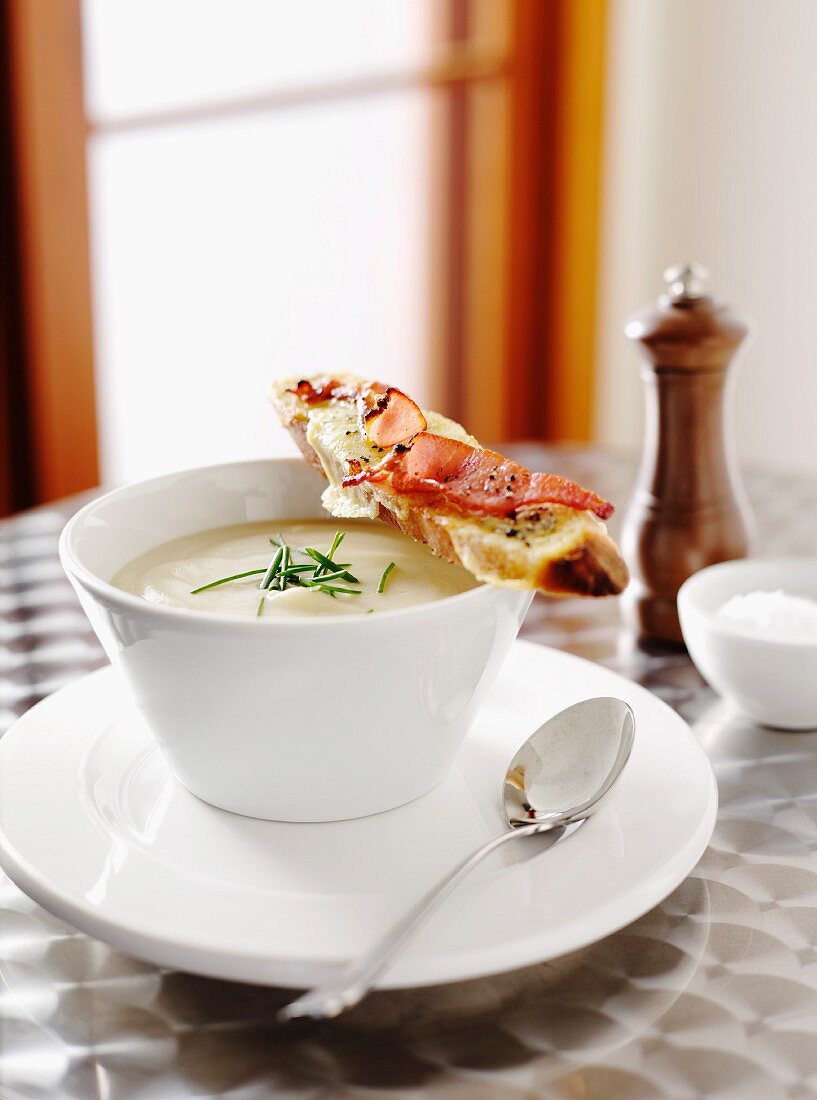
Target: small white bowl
x=773, y=681
x=303, y=719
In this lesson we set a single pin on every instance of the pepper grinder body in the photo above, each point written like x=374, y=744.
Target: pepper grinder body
x=689, y=509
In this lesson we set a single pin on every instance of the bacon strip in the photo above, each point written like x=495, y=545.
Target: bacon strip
x=321, y=389
x=391, y=417
x=387, y=415
x=449, y=472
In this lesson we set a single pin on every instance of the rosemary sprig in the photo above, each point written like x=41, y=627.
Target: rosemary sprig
x=224, y=580
x=329, y=565
x=322, y=573
x=381, y=584
x=293, y=570
x=286, y=561
x=324, y=568
x=323, y=577
x=272, y=568
x=336, y=541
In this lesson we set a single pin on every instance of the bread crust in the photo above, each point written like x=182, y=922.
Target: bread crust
x=586, y=563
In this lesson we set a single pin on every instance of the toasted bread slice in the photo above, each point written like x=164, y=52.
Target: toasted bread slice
x=554, y=548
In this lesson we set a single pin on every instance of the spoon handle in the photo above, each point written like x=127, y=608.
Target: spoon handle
x=355, y=980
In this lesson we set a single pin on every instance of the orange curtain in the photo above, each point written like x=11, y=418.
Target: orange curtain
x=16, y=481
x=523, y=307
x=49, y=155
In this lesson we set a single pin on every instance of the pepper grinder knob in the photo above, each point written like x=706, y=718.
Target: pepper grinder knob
x=686, y=282
x=688, y=509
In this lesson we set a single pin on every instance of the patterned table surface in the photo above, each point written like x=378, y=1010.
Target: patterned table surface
x=712, y=994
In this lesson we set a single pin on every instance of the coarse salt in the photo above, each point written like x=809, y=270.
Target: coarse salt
x=775, y=615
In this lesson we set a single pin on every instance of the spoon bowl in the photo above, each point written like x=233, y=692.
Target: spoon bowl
x=566, y=769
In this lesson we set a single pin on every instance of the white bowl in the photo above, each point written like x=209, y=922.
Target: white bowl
x=774, y=682
x=303, y=719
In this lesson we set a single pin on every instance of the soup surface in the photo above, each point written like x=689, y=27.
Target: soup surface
x=170, y=573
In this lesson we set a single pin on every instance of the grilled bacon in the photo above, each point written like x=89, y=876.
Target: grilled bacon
x=390, y=418
x=312, y=392
x=387, y=415
x=449, y=472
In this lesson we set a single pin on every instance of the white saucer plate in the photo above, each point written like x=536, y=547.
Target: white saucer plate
x=95, y=829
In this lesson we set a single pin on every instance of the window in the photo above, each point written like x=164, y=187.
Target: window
x=403, y=188
x=259, y=208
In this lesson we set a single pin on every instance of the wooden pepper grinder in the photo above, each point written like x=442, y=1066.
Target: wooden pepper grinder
x=688, y=509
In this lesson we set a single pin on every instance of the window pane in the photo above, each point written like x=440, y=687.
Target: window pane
x=232, y=252
x=143, y=55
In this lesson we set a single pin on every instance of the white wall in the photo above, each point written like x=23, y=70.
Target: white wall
x=712, y=155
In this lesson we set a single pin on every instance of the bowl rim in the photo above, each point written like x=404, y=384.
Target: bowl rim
x=689, y=596
x=127, y=602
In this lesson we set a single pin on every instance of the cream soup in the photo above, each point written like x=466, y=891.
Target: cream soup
x=169, y=574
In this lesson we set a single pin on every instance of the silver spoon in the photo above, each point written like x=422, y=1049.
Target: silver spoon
x=558, y=778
